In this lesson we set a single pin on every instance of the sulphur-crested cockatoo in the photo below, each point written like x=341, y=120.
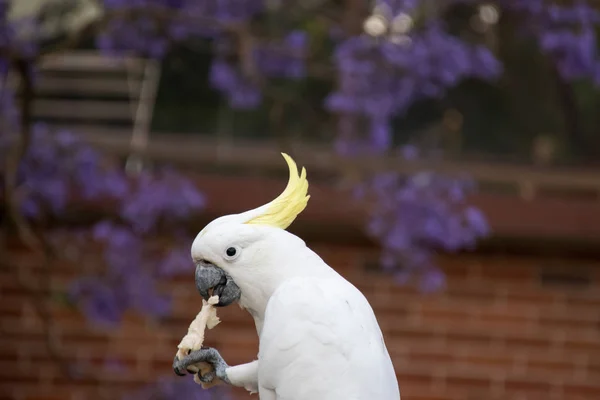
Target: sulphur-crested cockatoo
x=318, y=335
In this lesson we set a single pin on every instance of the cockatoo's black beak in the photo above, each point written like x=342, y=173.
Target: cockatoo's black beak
x=209, y=276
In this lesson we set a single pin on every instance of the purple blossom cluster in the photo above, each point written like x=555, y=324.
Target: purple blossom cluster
x=379, y=78
x=413, y=214
x=240, y=85
x=567, y=33
x=285, y=60
x=58, y=167
x=147, y=27
x=135, y=27
x=241, y=92
x=57, y=163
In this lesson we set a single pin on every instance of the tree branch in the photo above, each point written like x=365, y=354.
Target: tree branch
x=16, y=218
x=18, y=151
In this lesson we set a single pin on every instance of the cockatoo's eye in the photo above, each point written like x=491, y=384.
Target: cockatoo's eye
x=232, y=253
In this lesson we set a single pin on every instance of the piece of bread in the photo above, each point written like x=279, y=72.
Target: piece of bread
x=206, y=318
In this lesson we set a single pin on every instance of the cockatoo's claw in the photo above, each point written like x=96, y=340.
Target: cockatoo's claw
x=207, y=378
x=208, y=355
x=176, y=368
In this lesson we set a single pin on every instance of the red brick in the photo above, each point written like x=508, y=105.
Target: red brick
x=475, y=294
x=529, y=385
x=528, y=293
x=8, y=283
x=506, y=270
x=413, y=390
x=589, y=390
x=460, y=271
x=469, y=381
x=413, y=376
x=586, y=298
x=584, y=342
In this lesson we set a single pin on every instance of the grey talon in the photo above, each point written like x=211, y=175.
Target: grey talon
x=181, y=369
x=208, y=355
x=207, y=378
x=176, y=367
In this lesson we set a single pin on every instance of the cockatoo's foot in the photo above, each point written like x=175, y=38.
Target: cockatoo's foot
x=208, y=355
x=175, y=367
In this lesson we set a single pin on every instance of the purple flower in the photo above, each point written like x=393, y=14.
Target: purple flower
x=409, y=152
x=177, y=260
x=57, y=165
x=416, y=214
x=97, y=300
x=476, y=220
x=223, y=76
x=432, y=280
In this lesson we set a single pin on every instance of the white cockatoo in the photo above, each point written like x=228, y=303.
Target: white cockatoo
x=318, y=335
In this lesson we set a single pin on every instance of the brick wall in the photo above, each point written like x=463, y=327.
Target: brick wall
x=507, y=327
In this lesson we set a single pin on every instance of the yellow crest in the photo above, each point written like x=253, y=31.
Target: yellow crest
x=282, y=211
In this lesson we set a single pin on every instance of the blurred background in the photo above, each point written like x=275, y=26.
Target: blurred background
x=452, y=150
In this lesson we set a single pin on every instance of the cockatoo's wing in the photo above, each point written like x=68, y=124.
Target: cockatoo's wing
x=321, y=340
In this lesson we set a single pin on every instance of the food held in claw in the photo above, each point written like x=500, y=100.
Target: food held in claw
x=206, y=318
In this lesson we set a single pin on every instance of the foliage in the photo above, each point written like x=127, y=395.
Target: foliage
x=405, y=52
x=57, y=165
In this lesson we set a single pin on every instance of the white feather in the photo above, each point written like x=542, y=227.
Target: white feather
x=321, y=340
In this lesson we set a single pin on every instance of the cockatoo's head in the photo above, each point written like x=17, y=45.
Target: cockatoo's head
x=236, y=255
